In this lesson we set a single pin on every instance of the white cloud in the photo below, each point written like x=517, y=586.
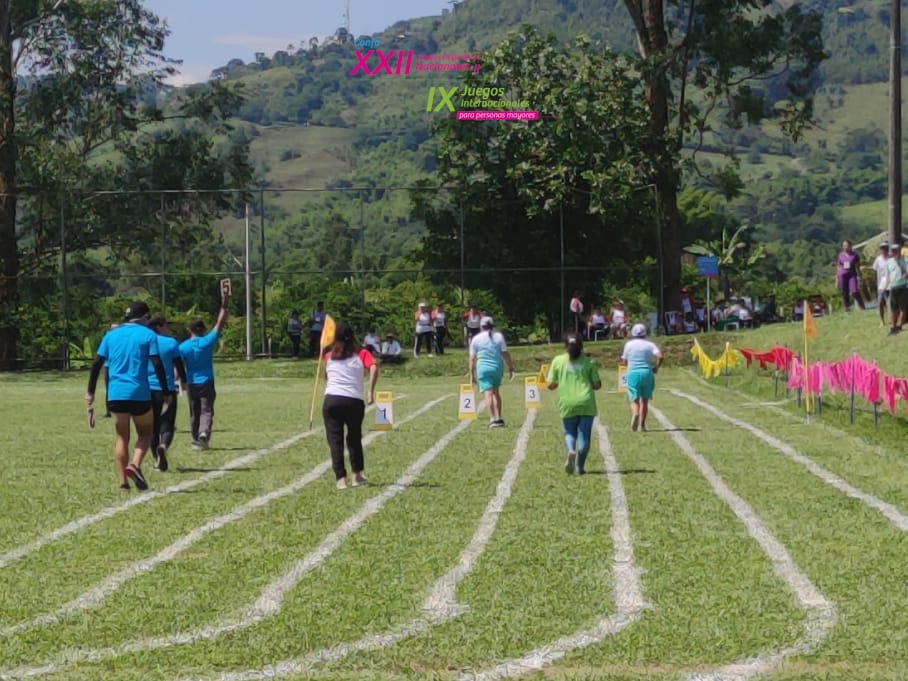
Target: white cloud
x=269, y=44
x=191, y=73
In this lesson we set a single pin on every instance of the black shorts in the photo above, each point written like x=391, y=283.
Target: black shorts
x=898, y=299
x=131, y=407
x=883, y=297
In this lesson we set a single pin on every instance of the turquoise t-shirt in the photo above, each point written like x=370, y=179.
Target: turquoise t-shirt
x=198, y=355
x=126, y=350
x=169, y=350
x=575, y=385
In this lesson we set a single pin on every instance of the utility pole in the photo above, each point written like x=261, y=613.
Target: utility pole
x=248, y=288
x=895, y=121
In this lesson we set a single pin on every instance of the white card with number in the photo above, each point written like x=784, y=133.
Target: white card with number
x=467, y=409
x=531, y=392
x=384, y=411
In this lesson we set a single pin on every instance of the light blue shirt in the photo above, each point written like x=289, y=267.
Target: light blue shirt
x=169, y=350
x=126, y=350
x=639, y=353
x=487, y=349
x=198, y=355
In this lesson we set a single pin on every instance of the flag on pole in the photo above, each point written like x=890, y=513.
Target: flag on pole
x=327, y=332
x=810, y=333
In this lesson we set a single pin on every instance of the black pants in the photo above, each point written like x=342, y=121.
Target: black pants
x=440, y=333
x=201, y=409
x=295, y=343
x=315, y=339
x=339, y=412
x=164, y=424
x=426, y=338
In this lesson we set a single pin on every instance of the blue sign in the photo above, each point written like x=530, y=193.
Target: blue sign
x=708, y=266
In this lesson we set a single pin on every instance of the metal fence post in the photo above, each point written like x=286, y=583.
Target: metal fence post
x=64, y=285
x=265, y=345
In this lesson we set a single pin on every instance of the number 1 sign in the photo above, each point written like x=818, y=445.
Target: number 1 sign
x=384, y=413
x=466, y=411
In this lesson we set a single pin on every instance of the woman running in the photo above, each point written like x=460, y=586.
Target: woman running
x=488, y=352
x=641, y=374
x=575, y=378
x=345, y=363
x=127, y=350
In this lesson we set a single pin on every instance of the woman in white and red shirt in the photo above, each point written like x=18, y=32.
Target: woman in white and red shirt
x=345, y=363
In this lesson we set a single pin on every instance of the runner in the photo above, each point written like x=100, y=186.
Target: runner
x=575, y=378
x=344, y=406
x=488, y=352
x=164, y=418
x=641, y=382
x=127, y=351
x=198, y=354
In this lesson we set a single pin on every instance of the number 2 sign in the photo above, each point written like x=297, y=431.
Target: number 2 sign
x=467, y=409
x=384, y=414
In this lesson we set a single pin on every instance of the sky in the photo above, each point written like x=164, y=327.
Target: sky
x=206, y=34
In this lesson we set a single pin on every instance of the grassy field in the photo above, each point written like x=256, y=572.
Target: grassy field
x=730, y=541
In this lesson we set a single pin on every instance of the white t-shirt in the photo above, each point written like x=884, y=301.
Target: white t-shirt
x=345, y=376
x=686, y=306
x=372, y=341
x=423, y=322
x=486, y=350
x=473, y=320
x=440, y=319
x=882, y=273
x=638, y=353
x=390, y=348
x=598, y=319
x=576, y=306
x=618, y=317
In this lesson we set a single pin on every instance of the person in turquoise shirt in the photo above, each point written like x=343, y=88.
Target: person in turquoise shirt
x=165, y=416
x=638, y=357
x=198, y=356
x=488, y=354
x=575, y=377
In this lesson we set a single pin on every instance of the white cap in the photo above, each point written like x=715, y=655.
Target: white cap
x=423, y=305
x=486, y=323
x=638, y=331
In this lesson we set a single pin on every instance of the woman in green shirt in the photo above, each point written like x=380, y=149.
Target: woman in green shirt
x=575, y=378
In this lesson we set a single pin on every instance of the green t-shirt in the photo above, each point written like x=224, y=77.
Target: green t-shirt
x=575, y=385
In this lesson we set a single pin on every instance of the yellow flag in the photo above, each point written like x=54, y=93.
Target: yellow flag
x=810, y=326
x=327, y=332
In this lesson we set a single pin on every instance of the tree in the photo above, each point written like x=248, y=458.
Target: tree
x=76, y=77
x=515, y=181
x=700, y=59
x=734, y=254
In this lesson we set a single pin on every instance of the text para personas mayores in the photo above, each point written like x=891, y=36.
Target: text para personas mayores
x=401, y=66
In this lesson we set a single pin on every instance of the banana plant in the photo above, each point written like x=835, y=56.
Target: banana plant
x=731, y=251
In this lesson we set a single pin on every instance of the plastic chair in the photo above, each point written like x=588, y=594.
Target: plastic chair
x=653, y=318
x=598, y=332
x=671, y=321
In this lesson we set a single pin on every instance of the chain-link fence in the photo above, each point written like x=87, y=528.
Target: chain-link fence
x=365, y=252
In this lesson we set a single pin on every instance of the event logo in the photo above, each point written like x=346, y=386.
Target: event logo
x=471, y=97
x=366, y=42
x=384, y=62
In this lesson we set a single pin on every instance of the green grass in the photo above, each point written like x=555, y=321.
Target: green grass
x=546, y=571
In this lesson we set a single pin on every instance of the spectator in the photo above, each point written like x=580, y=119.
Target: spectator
x=881, y=268
x=424, y=333
x=597, y=322
x=797, y=312
x=700, y=314
x=898, y=288
x=471, y=319
x=619, y=320
x=847, y=267
x=577, y=313
x=316, y=324
x=440, y=327
x=391, y=350
x=371, y=342
x=295, y=331
x=198, y=356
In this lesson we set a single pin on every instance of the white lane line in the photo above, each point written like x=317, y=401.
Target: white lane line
x=889, y=511
x=821, y=613
x=628, y=588
x=440, y=604
x=109, y=512
x=97, y=594
x=271, y=599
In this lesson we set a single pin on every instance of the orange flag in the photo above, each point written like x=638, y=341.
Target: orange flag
x=327, y=332
x=810, y=326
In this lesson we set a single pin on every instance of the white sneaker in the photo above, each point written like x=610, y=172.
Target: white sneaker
x=359, y=480
x=342, y=483
x=570, y=464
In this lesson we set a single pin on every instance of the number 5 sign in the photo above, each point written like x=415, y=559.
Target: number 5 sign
x=531, y=392
x=467, y=409
x=384, y=413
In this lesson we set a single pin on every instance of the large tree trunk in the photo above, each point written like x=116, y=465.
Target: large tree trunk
x=9, y=256
x=652, y=41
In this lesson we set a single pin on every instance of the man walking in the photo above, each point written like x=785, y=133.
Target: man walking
x=198, y=355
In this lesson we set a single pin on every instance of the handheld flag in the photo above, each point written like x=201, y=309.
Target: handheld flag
x=327, y=339
x=810, y=332
x=810, y=325
x=327, y=332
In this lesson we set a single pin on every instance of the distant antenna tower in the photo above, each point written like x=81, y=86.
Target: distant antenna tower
x=347, y=16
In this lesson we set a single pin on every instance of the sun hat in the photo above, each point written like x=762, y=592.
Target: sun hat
x=894, y=247
x=638, y=331
x=486, y=323
x=884, y=244
x=136, y=310
x=423, y=305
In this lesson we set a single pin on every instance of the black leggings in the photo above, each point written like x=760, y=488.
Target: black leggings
x=339, y=412
x=164, y=424
x=426, y=338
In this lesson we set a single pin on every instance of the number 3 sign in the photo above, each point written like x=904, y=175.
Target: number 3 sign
x=384, y=414
x=467, y=409
x=531, y=392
